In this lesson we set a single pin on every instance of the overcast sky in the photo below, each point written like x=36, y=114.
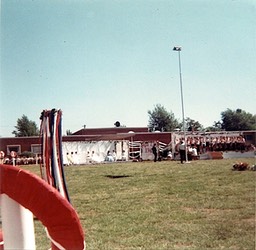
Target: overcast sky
x=104, y=61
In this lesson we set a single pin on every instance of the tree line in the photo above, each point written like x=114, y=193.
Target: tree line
x=165, y=121
x=231, y=120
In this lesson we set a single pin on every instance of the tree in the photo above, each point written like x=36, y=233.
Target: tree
x=25, y=127
x=68, y=132
x=162, y=120
x=237, y=120
x=215, y=127
x=193, y=125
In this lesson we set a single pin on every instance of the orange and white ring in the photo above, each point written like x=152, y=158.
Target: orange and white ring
x=46, y=203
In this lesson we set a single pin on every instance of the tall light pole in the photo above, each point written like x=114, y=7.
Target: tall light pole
x=178, y=48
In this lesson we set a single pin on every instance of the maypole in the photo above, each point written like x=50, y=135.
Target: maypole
x=52, y=169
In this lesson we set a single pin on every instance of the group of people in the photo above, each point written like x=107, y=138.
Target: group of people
x=182, y=149
x=21, y=160
x=190, y=150
x=215, y=143
x=72, y=158
x=111, y=157
x=158, y=154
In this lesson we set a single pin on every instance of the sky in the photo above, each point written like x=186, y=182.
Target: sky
x=102, y=61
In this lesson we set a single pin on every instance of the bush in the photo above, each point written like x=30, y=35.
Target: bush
x=27, y=154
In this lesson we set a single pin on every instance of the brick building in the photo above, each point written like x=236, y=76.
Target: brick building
x=33, y=143
x=133, y=135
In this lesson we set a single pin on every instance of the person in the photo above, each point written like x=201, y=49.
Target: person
x=88, y=157
x=109, y=157
x=76, y=158
x=69, y=159
x=93, y=160
x=190, y=152
x=194, y=152
x=92, y=155
x=123, y=156
x=154, y=151
x=169, y=155
x=182, y=150
x=114, y=155
x=2, y=157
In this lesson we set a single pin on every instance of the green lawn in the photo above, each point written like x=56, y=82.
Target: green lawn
x=162, y=205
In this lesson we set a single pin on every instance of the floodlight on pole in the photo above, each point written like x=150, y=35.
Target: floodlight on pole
x=178, y=48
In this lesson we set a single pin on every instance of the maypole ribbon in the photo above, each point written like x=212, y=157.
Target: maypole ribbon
x=52, y=169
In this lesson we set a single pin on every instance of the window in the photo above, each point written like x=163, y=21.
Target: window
x=248, y=137
x=36, y=148
x=15, y=148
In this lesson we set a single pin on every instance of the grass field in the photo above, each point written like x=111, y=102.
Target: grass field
x=162, y=205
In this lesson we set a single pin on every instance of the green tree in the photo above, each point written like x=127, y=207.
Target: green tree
x=162, y=120
x=237, y=120
x=215, y=127
x=25, y=127
x=68, y=132
x=193, y=125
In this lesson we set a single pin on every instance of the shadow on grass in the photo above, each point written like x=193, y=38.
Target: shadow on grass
x=117, y=176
